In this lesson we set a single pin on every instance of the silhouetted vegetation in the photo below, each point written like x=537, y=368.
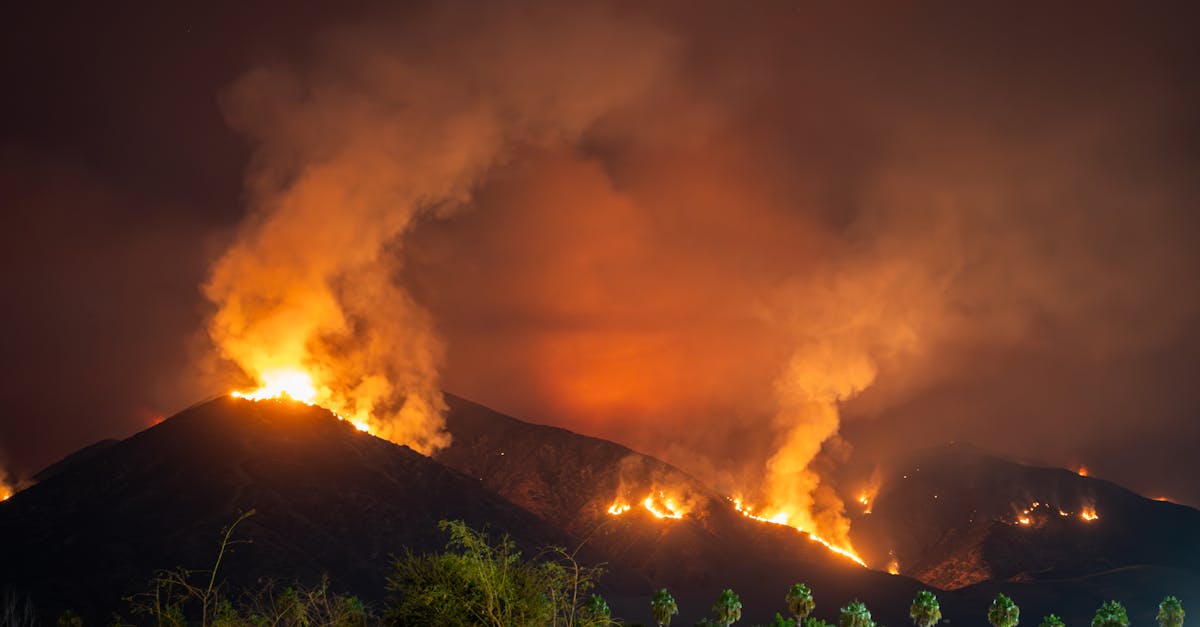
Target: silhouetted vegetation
x=478, y=581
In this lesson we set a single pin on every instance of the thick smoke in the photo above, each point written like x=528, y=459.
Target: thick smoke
x=719, y=236
x=395, y=122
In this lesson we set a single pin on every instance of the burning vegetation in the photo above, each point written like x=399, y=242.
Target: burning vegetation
x=1037, y=512
x=784, y=518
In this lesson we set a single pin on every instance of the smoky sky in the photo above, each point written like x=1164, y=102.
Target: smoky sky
x=991, y=211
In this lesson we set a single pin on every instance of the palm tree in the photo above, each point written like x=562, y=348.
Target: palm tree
x=1052, y=621
x=800, y=602
x=1003, y=612
x=925, y=610
x=663, y=607
x=728, y=608
x=1111, y=614
x=855, y=614
x=1170, y=613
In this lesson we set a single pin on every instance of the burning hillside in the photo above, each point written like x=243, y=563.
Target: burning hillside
x=953, y=517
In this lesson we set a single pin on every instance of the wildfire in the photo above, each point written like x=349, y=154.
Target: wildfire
x=5, y=491
x=1025, y=517
x=781, y=518
x=1082, y=472
x=657, y=502
x=893, y=566
x=616, y=509
x=296, y=385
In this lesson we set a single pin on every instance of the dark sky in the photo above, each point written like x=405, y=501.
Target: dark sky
x=640, y=221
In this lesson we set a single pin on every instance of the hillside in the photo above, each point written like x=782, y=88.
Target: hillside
x=328, y=498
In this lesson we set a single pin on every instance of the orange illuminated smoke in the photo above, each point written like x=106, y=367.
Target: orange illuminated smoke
x=292, y=384
x=893, y=566
x=781, y=518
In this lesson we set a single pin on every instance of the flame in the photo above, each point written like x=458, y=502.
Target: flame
x=1082, y=471
x=1024, y=519
x=295, y=384
x=782, y=518
x=6, y=492
x=1089, y=514
x=658, y=502
x=280, y=383
x=616, y=509
x=893, y=567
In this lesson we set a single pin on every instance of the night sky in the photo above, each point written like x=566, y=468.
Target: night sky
x=659, y=223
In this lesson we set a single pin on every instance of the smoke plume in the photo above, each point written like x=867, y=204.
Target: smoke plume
x=395, y=123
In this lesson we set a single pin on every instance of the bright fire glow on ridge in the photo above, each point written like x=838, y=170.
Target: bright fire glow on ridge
x=781, y=518
x=291, y=384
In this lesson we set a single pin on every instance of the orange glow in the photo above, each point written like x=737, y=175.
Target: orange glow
x=781, y=518
x=893, y=566
x=658, y=503
x=1024, y=519
x=294, y=384
x=1082, y=472
x=6, y=490
x=616, y=509
x=1089, y=514
x=1163, y=499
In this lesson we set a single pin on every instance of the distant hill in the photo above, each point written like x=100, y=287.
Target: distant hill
x=955, y=517
x=331, y=500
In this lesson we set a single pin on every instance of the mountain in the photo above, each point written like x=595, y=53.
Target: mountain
x=570, y=481
x=331, y=500
x=328, y=499
x=956, y=517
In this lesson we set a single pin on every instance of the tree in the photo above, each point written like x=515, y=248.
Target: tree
x=1052, y=621
x=800, y=602
x=1003, y=612
x=855, y=614
x=476, y=582
x=1170, y=613
x=925, y=610
x=663, y=607
x=1111, y=614
x=596, y=612
x=728, y=608
x=780, y=621
x=814, y=622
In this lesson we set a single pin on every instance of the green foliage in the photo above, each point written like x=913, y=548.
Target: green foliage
x=780, y=621
x=1052, y=621
x=1111, y=614
x=1003, y=612
x=663, y=607
x=476, y=582
x=800, y=601
x=855, y=614
x=728, y=608
x=596, y=612
x=925, y=610
x=814, y=622
x=1170, y=613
